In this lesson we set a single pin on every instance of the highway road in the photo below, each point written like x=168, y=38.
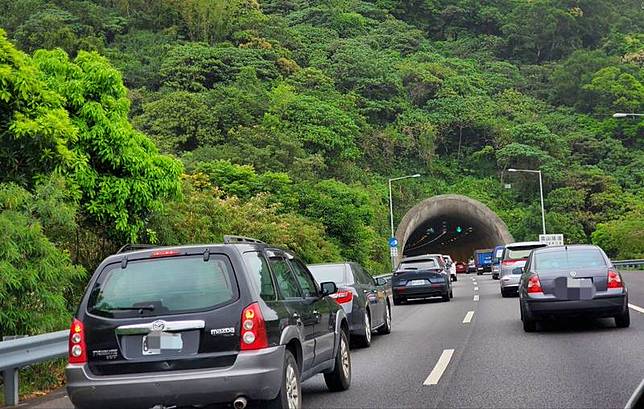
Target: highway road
x=468, y=353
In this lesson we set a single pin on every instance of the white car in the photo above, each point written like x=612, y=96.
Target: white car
x=452, y=267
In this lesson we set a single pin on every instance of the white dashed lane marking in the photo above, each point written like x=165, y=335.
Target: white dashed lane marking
x=468, y=317
x=636, y=308
x=476, y=297
x=440, y=367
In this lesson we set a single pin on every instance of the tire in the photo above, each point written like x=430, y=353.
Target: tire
x=623, y=320
x=340, y=378
x=386, y=327
x=364, y=341
x=529, y=325
x=290, y=394
x=400, y=301
x=479, y=274
x=446, y=297
x=451, y=293
x=503, y=293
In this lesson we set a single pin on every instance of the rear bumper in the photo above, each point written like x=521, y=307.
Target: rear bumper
x=597, y=308
x=255, y=375
x=420, y=291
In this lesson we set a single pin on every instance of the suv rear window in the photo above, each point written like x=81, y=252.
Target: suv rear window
x=565, y=260
x=163, y=286
x=516, y=253
x=419, y=265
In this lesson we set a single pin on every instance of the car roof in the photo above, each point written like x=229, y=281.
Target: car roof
x=524, y=244
x=344, y=263
x=423, y=257
x=553, y=249
x=214, y=246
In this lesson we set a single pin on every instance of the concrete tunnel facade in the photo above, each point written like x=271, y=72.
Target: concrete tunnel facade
x=450, y=224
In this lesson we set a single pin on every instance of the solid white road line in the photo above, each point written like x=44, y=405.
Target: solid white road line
x=636, y=308
x=468, y=317
x=476, y=297
x=476, y=288
x=440, y=367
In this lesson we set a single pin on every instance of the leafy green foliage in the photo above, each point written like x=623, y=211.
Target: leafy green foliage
x=36, y=277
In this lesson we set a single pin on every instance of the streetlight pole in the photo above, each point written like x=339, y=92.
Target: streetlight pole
x=391, y=211
x=543, y=212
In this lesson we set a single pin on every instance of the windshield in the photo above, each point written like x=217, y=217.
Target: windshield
x=566, y=260
x=163, y=286
x=418, y=265
x=329, y=272
x=516, y=253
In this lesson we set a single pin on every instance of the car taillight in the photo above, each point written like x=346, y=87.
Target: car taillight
x=343, y=296
x=253, y=329
x=77, y=349
x=509, y=262
x=534, y=285
x=614, y=279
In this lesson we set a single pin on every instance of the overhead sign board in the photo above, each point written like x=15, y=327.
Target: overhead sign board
x=552, y=239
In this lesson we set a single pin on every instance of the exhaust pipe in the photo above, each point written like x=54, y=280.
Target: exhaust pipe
x=240, y=403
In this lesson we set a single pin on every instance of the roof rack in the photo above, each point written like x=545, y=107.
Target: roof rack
x=134, y=247
x=230, y=239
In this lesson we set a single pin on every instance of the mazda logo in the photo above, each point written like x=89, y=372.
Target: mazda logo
x=158, y=325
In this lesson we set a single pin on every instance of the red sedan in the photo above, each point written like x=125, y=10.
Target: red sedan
x=461, y=267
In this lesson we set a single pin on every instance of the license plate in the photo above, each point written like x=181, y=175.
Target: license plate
x=579, y=282
x=154, y=344
x=418, y=282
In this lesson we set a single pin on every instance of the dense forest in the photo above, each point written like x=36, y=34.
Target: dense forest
x=178, y=121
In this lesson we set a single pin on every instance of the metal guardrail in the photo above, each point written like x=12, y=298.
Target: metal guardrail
x=629, y=263
x=21, y=352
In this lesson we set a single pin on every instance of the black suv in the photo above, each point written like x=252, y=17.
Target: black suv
x=194, y=325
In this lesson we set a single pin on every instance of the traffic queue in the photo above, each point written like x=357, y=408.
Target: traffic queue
x=245, y=323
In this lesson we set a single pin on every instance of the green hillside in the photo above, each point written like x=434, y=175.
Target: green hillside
x=178, y=121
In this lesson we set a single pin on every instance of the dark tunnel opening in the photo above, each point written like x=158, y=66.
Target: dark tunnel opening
x=450, y=224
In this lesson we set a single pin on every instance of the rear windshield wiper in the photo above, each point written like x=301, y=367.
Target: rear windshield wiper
x=141, y=308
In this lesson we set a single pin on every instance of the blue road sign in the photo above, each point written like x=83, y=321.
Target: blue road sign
x=393, y=242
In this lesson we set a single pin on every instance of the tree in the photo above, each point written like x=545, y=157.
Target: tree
x=71, y=117
x=621, y=239
x=36, y=278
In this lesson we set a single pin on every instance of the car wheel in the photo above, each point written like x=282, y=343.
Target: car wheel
x=451, y=293
x=529, y=325
x=504, y=294
x=397, y=301
x=623, y=320
x=340, y=378
x=386, y=327
x=455, y=278
x=446, y=297
x=364, y=340
x=290, y=394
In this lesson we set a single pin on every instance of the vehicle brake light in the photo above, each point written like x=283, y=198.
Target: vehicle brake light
x=614, y=279
x=508, y=262
x=253, y=329
x=343, y=296
x=534, y=285
x=77, y=349
x=164, y=253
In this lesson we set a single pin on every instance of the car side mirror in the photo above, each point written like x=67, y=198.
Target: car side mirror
x=328, y=288
x=518, y=270
x=381, y=281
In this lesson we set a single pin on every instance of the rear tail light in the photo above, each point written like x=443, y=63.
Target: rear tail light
x=614, y=279
x=509, y=262
x=534, y=285
x=343, y=296
x=253, y=329
x=77, y=349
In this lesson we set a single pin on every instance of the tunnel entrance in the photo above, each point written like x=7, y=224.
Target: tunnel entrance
x=450, y=224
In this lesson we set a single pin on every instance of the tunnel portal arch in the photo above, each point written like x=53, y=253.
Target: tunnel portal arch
x=450, y=224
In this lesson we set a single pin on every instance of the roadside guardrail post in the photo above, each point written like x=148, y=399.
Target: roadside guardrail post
x=10, y=377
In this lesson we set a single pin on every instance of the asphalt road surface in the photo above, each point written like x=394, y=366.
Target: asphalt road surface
x=472, y=354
